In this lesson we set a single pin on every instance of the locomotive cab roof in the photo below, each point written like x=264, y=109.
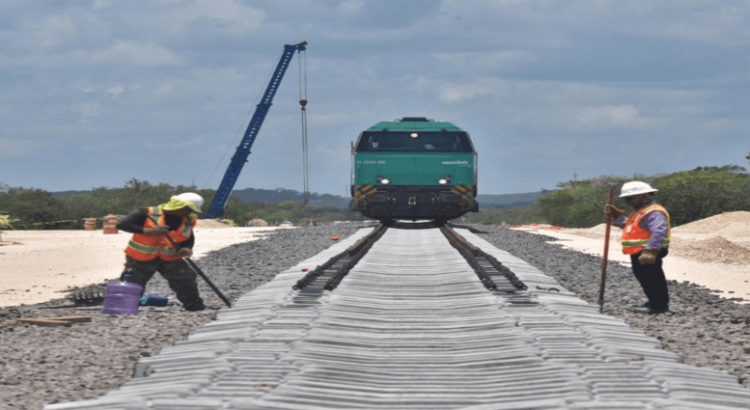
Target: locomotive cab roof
x=414, y=119
x=422, y=125
x=396, y=135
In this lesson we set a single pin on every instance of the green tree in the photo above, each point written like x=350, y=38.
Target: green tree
x=703, y=192
x=579, y=205
x=35, y=208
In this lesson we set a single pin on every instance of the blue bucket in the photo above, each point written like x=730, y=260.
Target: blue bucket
x=150, y=299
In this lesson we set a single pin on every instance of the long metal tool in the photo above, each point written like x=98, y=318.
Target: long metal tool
x=603, y=279
x=197, y=270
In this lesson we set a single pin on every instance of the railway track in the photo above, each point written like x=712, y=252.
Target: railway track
x=417, y=319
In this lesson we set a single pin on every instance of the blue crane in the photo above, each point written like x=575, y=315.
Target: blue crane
x=243, y=150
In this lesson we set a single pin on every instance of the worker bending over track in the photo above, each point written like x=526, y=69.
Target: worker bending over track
x=645, y=237
x=150, y=251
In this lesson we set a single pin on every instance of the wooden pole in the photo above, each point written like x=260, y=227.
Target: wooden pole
x=603, y=279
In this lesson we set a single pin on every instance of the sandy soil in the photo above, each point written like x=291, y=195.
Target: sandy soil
x=36, y=266
x=713, y=252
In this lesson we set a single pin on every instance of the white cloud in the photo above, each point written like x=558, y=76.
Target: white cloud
x=101, y=4
x=449, y=92
x=176, y=144
x=555, y=107
x=17, y=148
x=722, y=23
x=490, y=61
x=608, y=115
x=121, y=53
x=47, y=32
x=350, y=8
x=229, y=16
x=129, y=53
x=461, y=94
x=87, y=110
x=115, y=91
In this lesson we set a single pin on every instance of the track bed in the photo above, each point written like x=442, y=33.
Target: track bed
x=413, y=326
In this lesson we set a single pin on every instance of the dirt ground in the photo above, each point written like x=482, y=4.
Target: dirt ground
x=36, y=266
x=713, y=252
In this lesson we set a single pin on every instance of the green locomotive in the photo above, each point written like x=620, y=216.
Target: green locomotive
x=414, y=168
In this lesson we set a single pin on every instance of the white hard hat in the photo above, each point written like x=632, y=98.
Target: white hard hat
x=635, y=188
x=192, y=198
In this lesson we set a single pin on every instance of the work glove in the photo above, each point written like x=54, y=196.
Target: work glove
x=157, y=230
x=613, y=210
x=185, y=252
x=648, y=256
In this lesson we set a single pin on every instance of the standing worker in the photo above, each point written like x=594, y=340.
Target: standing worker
x=645, y=237
x=150, y=251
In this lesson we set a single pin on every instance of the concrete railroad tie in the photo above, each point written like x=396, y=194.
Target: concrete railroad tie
x=412, y=327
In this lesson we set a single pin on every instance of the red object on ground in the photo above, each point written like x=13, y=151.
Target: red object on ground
x=304, y=269
x=110, y=224
x=90, y=224
x=334, y=238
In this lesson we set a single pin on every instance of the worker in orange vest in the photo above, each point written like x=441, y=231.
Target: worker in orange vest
x=645, y=237
x=149, y=251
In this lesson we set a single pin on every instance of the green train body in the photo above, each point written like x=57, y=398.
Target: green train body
x=414, y=168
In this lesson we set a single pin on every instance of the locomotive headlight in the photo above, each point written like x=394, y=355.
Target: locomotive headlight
x=414, y=135
x=384, y=181
x=444, y=180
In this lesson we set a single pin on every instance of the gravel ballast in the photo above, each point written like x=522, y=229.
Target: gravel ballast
x=702, y=328
x=41, y=365
x=44, y=365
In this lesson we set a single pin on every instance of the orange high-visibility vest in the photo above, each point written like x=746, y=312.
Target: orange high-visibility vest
x=147, y=247
x=635, y=238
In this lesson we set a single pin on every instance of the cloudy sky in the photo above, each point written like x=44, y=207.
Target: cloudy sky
x=96, y=92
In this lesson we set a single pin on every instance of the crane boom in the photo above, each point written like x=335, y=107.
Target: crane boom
x=216, y=210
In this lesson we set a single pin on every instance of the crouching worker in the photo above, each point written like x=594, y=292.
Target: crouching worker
x=149, y=251
x=645, y=237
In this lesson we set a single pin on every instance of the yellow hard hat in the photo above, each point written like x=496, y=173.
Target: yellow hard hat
x=187, y=199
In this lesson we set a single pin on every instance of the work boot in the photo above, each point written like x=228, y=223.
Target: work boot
x=642, y=305
x=649, y=310
x=196, y=307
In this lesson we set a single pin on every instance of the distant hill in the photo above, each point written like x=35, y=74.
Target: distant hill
x=61, y=194
x=280, y=195
x=274, y=196
x=509, y=200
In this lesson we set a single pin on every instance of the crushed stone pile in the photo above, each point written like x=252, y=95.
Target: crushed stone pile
x=727, y=224
x=716, y=249
x=211, y=224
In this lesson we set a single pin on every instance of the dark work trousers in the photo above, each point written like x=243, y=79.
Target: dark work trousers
x=652, y=280
x=181, y=279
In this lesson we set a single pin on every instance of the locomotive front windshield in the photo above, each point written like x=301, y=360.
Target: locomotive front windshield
x=380, y=141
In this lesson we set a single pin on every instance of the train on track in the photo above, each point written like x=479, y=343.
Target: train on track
x=414, y=168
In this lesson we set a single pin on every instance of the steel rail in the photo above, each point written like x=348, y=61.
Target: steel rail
x=411, y=327
x=489, y=270
x=327, y=275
